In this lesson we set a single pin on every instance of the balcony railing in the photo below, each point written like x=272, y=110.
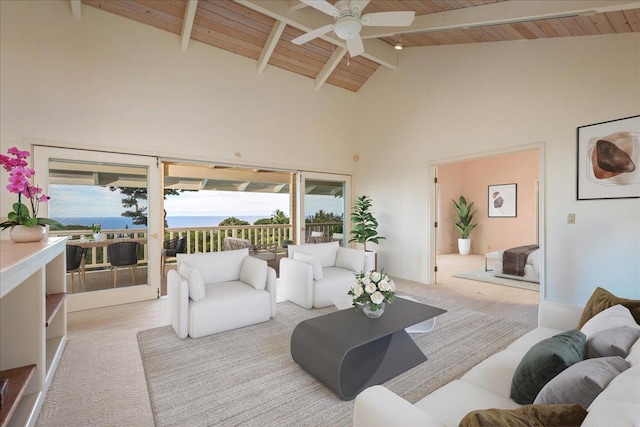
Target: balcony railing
x=199, y=239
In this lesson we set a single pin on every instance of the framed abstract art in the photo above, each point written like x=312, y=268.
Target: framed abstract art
x=503, y=201
x=609, y=160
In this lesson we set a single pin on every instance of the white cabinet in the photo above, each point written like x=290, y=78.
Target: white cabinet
x=33, y=323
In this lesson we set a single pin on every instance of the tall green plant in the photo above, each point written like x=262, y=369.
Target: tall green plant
x=464, y=217
x=365, y=225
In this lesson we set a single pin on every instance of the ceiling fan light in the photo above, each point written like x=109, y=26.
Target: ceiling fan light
x=398, y=46
x=347, y=28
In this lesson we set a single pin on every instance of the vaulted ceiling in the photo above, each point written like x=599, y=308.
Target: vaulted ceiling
x=263, y=29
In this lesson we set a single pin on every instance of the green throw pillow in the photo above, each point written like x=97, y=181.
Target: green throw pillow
x=544, y=361
x=527, y=416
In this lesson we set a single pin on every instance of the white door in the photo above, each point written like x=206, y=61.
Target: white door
x=121, y=192
x=323, y=207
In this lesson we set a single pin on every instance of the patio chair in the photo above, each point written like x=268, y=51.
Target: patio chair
x=123, y=254
x=172, y=247
x=75, y=258
x=266, y=252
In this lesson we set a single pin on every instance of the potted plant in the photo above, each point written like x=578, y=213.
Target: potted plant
x=24, y=227
x=365, y=228
x=97, y=233
x=463, y=224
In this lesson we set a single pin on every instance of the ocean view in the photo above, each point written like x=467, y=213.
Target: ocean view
x=119, y=222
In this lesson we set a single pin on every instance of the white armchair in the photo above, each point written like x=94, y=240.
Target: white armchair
x=314, y=274
x=219, y=291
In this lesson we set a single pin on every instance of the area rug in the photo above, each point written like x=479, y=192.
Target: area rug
x=247, y=376
x=487, y=276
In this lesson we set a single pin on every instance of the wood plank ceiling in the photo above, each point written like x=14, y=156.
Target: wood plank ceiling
x=263, y=29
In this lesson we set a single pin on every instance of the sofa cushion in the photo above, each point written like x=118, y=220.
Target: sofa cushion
x=216, y=267
x=310, y=259
x=612, y=342
x=325, y=252
x=254, y=272
x=194, y=279
x=527, y=416
x=617, y=315
x=350, y=259
x=336, y=282
x=544, y=361
x=602, y=299
x=451, y=402
x=618, y=404
x=582, y=382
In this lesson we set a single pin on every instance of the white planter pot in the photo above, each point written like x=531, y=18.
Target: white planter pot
x=98, y=237
x=370, y=260
x=464, y=246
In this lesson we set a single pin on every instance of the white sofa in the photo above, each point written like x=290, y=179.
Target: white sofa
x=313, y=274
x=219, y=291
x=488, y=385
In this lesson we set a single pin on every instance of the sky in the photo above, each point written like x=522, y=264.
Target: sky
x=94, y=201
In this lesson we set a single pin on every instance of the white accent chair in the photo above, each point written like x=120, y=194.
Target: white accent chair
x=219, y=291
x=313, y=274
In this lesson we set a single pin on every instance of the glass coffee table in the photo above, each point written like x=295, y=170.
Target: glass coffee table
x=348, y=352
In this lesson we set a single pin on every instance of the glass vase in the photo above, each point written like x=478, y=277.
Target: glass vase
x=371, y=311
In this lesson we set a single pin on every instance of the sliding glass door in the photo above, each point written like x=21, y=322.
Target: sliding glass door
x=323, y=207
x=110, y=206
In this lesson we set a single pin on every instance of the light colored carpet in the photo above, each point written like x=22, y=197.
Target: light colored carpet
x=247, y=376
x=487, y=276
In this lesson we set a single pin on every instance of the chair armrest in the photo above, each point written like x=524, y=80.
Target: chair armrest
x=178, y=303
x=296, y=282
x=379, y=407
x=271, y=288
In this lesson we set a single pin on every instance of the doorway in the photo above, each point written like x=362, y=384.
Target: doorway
x=471, y=176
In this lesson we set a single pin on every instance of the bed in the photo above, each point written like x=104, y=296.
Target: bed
x=531, y=268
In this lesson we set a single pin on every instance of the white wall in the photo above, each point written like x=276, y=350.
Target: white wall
x=446, y=102
x=109, y=83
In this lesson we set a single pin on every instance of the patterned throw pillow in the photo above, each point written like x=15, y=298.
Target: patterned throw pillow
x=527, y=416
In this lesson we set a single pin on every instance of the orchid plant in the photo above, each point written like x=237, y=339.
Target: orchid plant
x=19, y=176
x=374, y=288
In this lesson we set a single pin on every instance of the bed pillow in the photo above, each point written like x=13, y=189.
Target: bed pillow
x=529, y=415
x=310, y=259
x=545, y=360
x=612, y=317
x=582, y=382
x=612, y=342
x=602, y=299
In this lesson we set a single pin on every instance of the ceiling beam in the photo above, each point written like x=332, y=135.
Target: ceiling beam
x=328, y=68
x=297, y=5
x=308, y=19
x=187, y=23
x=76, y=9
x=202, y=172
x=268, y=48
x=500, y=13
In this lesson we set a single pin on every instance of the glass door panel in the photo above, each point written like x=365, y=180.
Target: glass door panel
x=110, y=210
x=325, y=211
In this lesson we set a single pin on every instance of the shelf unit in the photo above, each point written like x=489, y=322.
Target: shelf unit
x=33, y=323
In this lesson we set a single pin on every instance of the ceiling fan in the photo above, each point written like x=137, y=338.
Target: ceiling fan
x=349, y=22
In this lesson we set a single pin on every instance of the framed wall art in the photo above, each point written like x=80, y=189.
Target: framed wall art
x=503, y=201
x=609, y=160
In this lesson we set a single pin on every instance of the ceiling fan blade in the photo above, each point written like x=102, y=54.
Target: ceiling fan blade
x=355, y=46
x=358, y=5
x=312, y=34
x=322, y=6
x=388, y=19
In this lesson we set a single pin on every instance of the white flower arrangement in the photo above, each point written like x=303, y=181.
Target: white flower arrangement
x=374, y=288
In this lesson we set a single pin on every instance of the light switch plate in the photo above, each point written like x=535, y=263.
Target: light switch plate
x=571, y=218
